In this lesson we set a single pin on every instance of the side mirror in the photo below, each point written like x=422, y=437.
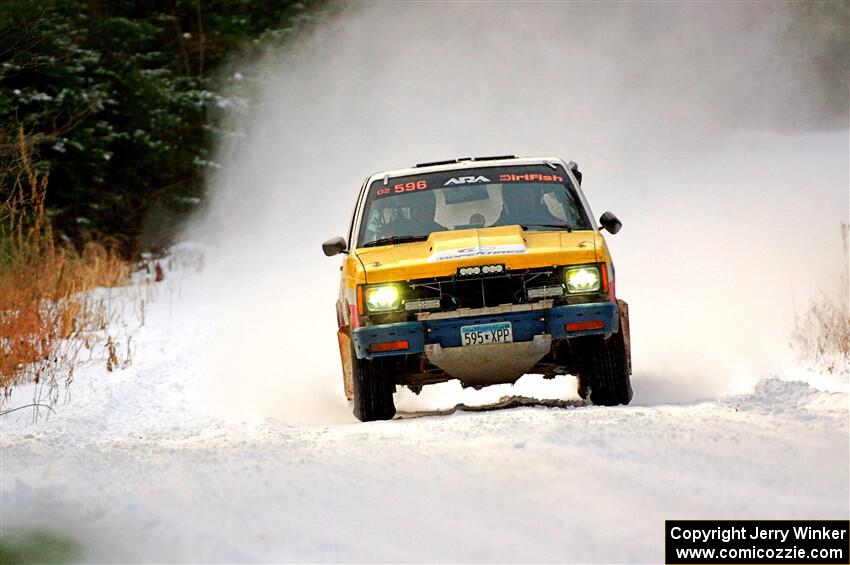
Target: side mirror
x=334, y=246
x=610, y=222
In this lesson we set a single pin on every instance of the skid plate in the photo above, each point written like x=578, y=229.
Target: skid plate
x=480, y=365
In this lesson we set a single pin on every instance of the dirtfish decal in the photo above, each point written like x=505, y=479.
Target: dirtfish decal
x=478, y=251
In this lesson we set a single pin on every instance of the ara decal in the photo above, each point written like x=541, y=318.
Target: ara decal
x=466, y=180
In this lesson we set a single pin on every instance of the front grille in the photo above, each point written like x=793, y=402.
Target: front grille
x=480, y=292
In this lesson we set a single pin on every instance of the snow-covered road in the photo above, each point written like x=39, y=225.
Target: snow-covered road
x=135, y=468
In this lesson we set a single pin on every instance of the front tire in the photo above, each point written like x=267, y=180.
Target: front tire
x=373, y=389
x=604, y=372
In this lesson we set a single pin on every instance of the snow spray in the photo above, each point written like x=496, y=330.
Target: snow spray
x=715, y=132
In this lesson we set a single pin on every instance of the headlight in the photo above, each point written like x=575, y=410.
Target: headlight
x=382, y=298
x=582, y=279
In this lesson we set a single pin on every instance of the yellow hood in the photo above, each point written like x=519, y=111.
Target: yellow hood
x=444, y=252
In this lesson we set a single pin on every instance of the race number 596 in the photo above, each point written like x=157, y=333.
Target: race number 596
x=410, y=186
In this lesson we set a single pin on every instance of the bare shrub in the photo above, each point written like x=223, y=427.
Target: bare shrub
x=822, y=333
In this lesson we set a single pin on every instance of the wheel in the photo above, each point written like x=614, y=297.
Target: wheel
x=604, y=370
x=373, y=389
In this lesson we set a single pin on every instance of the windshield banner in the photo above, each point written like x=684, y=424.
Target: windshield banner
x=467, y=177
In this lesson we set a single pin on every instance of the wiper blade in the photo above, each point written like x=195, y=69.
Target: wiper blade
x=394, y=239
x=559, y=226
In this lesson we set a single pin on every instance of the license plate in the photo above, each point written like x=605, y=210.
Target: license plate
x=485, y=334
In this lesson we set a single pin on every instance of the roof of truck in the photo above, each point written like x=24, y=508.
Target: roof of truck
x=466, y=163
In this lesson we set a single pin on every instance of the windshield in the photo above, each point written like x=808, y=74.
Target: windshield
x=410, y=208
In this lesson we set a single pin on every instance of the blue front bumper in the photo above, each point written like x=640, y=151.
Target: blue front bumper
x=525, y=325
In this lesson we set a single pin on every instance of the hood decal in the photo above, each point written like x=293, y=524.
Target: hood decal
x=477, y=251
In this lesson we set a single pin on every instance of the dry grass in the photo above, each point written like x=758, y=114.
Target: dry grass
x=47, y=320
x=822, y=333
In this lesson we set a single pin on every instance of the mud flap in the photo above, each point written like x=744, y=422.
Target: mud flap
x=344, y=340
x=481, y=365
x=624, y=328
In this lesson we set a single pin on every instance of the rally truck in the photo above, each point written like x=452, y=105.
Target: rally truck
x=481, y=270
